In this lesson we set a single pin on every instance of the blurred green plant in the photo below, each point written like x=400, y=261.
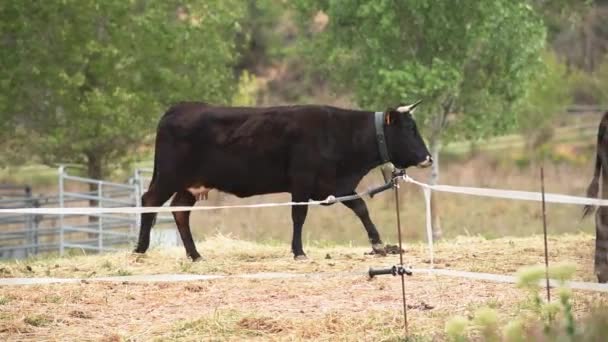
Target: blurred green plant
x=547, y=97
x=538, y=320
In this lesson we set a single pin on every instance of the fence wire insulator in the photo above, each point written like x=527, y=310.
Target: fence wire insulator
x=395, y=271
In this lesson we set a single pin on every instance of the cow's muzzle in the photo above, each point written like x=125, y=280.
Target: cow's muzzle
x=427, y=162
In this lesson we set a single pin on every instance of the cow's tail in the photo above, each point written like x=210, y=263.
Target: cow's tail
x=593, y=188
x=155, y=167
x=155, y=170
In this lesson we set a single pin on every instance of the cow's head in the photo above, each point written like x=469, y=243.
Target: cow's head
x=405, y=145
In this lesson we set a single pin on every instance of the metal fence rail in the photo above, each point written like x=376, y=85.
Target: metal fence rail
x=25, y=235
x=96, y=232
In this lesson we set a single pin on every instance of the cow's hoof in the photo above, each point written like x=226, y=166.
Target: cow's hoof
x=301, y=257
x=393, y=249
x=378, y=249
x=197, y=258
x=137, y=257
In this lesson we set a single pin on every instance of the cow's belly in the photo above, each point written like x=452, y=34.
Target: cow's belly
x=244, y=176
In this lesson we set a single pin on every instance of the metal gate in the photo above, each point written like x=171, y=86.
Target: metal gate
x=99, y=232
x=20, y=238
x=25, y=235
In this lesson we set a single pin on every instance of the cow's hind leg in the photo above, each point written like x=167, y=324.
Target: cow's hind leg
x=152, y=198
x=601, y=244
x=359, y=207
x=182, y=220
x=298, y=216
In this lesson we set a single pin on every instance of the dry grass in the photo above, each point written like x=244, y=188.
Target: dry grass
x=224, y=255
x=327, y=308
x=331, y=306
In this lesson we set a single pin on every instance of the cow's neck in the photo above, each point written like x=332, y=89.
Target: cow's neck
x=370, y=155
x=381, y=137
x=364, y=154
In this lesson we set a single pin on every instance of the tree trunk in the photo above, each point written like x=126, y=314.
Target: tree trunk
x=434, y=179
x=438, y=124
x=94, y=171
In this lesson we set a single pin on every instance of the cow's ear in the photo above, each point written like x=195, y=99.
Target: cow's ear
x=391, y=116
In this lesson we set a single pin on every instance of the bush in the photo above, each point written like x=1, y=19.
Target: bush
x=539, y=320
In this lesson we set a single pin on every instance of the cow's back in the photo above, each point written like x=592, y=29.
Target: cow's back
x=248, y=151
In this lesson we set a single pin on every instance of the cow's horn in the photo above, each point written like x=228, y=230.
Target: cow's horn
x=410, y=108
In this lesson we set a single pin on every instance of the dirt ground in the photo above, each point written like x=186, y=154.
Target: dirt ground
x=328, y=308
x=340, y=304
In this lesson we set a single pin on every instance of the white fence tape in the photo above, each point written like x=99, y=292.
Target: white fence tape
x=510, y=194
x=486, y=192
x=501, y=278
x=495, y=193
x=497, y=278
x=142, y=210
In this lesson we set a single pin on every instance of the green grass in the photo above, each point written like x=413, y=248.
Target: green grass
x=4, y=300
x=37, y=320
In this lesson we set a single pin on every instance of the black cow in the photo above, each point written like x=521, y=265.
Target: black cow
x=308, y=151
x=601, y=216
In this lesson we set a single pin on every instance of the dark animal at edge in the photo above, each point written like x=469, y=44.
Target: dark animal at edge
x=601, y=215
x=309, y=151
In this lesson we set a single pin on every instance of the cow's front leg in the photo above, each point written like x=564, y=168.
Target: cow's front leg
x=359, y=207
x=298, y=216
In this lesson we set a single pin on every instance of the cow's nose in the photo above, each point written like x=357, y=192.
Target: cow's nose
x=427, y=162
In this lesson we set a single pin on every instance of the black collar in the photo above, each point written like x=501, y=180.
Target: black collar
x=380, y=137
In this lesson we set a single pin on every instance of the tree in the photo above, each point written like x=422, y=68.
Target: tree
x=470, y=61
x=259, y=40
x=549, y=94
x=87, y=80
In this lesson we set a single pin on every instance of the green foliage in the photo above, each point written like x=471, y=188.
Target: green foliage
x=456, y=327
x=589, y=88
x=548, y=96
x=486, y=320
x=259, y=42
x=88, y=80
x=562, y=271
x=585, y=88
x=602, y=80
x=246, y=90
x=560, y=14
x=529, y=276
x=514, y=331
x=474, y=60
x=539, y=320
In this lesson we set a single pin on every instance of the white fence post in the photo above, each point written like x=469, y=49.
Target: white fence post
x=61, y=205
x=100, y=217
x=138, y=193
